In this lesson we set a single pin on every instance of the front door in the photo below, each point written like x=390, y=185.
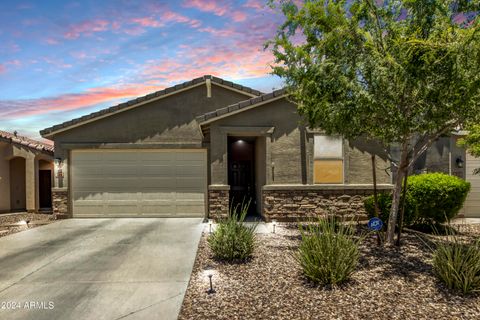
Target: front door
x=45, y=188
x=241, y=172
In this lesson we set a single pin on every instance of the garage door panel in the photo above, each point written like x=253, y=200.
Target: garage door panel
x=119, y=170
x=157, y=196
x=88, y=195
x=158, y=171
x=188, y=183
x=189, y=196
x=189, y=156
x=138, y=183
x=187, y=171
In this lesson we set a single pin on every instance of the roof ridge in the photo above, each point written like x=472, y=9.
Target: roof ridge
x=25, y=141
x=148, y=97
x=241, y=104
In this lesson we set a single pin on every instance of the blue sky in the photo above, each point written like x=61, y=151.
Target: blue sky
x=63, y=59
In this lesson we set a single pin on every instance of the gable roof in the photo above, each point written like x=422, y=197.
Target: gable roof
x=240, y=106
x=48, y=132
x=24, y=141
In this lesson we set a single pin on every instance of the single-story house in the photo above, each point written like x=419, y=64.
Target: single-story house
x=200, y=147
x=26, y=174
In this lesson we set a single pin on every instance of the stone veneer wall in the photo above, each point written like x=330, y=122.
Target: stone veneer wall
x=60, y=203
x=301, y=203
x=218, y=202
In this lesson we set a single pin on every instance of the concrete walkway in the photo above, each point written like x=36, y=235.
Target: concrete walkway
x=98, y=269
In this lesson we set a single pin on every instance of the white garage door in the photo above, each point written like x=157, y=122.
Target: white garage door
x=138, y=183
x=472, y=204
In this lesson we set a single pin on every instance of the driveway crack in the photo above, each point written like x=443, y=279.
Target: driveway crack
x=149, y=306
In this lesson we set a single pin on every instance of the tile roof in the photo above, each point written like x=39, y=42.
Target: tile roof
x=209, y=116
x=24, y=141
x=151, y=96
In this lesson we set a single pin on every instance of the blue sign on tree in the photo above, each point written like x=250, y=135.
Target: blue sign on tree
x=375, y=224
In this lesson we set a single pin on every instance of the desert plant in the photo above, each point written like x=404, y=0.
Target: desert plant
x=385, y=204
x=438, y=196
x=232, y=240
x=328, y=252
x=457, y=264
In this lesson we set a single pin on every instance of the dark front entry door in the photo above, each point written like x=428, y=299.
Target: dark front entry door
x=241, y=173
x=45, y=188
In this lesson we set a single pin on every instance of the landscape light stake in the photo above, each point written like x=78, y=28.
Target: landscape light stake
x=210, y=222
x=211, y=290
x=274, y=223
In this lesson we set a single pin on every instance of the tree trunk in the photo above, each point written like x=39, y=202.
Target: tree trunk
x=397, y=190
x=375, y=196
x=402, y=209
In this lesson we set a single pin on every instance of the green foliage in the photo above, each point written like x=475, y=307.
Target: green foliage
x=390, y=70
x=457, y=264
x=438, y=196
x=328, y=252
x=431, y=198
x=385, y=204
x=399, y=71
x=472, y=142
x=232, y=240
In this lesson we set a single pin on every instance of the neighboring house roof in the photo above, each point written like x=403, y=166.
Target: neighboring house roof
x=240, y=106
x=24, y=141
x=147, y=98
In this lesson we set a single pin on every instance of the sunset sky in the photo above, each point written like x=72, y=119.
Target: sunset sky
x=63, y=59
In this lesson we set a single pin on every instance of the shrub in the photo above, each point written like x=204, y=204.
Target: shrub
x=431, y=198
x=457, y=265
x=385, y=204
x=328, y=252
x=438, y=196
x=232, y=240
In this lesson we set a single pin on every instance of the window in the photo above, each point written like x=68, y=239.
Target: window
x=328, y=159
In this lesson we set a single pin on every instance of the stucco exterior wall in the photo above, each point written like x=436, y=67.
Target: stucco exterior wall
x=289, y=148
x=18, y=199
x=4, y=180
x=170, y=120
x=359, y=163
x=283, y=145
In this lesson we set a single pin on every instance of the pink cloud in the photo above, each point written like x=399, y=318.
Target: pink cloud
x=57, y=63
x=15, y=62
x=147, y=22
x=238, y=16
x=212, y=6
x=72, y=101
x=79, y=55
x=166, y=17
x=219, y=32
x=3, y=69
x=255, y=4
x=87, y=27
x=51, y=41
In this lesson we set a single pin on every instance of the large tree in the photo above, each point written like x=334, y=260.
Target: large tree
x=472, y=142
x=401, y=72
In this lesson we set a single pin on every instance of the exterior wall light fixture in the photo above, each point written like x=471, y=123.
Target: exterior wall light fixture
x=459, y=162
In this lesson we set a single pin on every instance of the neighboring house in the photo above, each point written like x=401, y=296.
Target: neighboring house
x=26, y=174
x=447, y=157
x=198, y=148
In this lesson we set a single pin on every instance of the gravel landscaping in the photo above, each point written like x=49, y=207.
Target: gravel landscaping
x=388, y=284
x=9, y=223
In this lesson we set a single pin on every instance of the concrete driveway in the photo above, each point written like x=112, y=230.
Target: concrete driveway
x=98, y=269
